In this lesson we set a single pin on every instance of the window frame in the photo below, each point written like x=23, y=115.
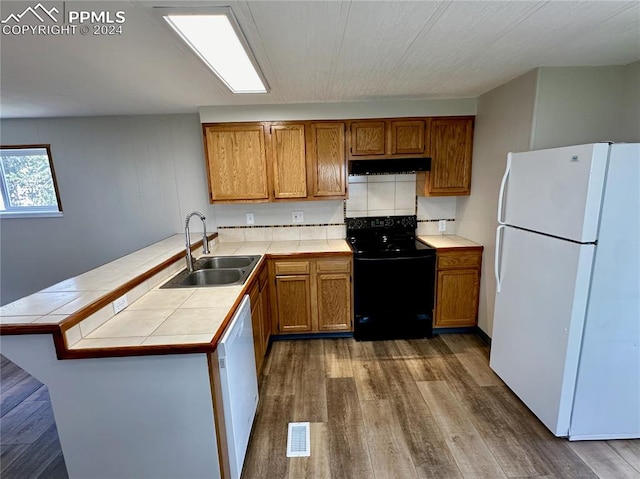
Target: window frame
x=29, y=211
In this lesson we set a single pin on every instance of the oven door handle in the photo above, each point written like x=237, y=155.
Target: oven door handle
x=395, y=258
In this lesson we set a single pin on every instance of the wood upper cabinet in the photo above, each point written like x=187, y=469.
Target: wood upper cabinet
x=450, y=147
x=407, y=137
x=388, y=138
x=236, y=162
x=288, y=154
x=458, y=287
x=276, y=161
x=368, y=138
x=312, y=294
x=326, y=160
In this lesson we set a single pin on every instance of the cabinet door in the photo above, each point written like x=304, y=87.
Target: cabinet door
x=256, y=325
x=457, y=297
x=289, y=161
x=334, y=302
x=327, y=160
x=368, y=138
x=236, y=162
x=450, y=151
x=408, y=137
x=265, y=302
x=293, y=296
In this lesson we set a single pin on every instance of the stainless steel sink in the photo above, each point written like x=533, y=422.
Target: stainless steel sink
x=217, y=262
x=215, y=271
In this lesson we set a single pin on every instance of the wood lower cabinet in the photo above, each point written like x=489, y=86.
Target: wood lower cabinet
x=260, y=315
x=293, y=293
x=457, y=287
x=450, y=148
x=312, y=295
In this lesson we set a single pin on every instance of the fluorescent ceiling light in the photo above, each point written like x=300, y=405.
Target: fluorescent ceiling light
x=215, y=40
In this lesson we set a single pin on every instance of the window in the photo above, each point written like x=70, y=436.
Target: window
x=28, y=182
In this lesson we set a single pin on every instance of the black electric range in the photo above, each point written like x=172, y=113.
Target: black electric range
x=394, y=278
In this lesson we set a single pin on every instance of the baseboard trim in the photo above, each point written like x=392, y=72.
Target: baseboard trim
x=282, y=337
x=482, y=335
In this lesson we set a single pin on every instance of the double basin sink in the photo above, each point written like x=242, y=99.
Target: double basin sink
x=214, y=271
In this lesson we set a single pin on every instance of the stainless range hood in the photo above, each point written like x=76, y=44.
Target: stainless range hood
x=396, y=165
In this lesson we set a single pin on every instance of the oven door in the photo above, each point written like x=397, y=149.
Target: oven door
x=393, y=297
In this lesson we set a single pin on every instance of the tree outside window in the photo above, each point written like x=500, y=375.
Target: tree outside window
x=27, y=180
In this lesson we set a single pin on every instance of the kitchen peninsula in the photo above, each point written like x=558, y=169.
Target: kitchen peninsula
x=139, y=402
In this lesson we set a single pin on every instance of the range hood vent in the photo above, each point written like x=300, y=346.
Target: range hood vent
x=396, y=165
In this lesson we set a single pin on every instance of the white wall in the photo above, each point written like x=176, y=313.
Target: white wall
x=125, y=183
x=586, y=104
x=629, y=120
x=503, y=123
x=146, y=417
x=338, y=111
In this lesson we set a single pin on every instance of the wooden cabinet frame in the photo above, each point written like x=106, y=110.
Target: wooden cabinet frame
x=322, y=274
x=388, y=138
x=457, y=287
x=296, y=161
x=450, y=148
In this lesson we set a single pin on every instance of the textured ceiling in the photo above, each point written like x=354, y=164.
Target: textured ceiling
x=320, y=51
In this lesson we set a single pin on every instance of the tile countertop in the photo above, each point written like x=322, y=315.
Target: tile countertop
x=154, y=317
x=447, y=241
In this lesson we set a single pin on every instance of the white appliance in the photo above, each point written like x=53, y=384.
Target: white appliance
x=566, y=329
x=239, y=384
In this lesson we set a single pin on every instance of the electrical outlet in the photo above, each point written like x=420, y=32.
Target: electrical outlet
x=250, y=219
x=119, y=304
x=442, y=226
x=297, y=216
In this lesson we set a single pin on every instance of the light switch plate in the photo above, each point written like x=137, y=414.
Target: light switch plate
x=442, y=226
x=250, y=219
x=297, y=216
x=119, y=304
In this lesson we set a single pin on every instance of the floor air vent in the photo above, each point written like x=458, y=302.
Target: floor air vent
x=298, y=441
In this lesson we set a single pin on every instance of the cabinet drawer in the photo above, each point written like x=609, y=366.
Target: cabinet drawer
x=461, y=259
x=291, y=267
x=333, y=266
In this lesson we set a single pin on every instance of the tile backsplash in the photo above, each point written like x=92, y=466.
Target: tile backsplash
x=381, y=195
x=369, y=195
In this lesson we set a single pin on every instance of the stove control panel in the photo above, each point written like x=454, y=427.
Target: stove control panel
x=382, y=222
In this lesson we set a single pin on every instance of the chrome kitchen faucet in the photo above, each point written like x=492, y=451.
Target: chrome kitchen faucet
x=187, y=237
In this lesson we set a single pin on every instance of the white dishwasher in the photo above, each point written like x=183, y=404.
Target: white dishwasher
x=239, y=384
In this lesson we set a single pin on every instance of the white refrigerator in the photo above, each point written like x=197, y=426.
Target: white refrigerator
x=566, y=328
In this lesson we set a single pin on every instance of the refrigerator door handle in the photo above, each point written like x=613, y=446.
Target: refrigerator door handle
x=498, y=256
x=503, y=185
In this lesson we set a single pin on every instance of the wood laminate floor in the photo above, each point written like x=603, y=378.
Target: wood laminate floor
x=390, y=409
x=29, y=444
x=411, y=409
